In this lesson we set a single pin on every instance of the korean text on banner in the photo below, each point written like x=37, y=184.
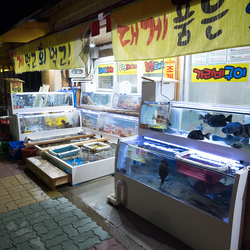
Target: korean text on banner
x=168, y=29
x=64, y=50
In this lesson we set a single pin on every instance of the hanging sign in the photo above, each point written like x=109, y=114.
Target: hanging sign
x=129, y=68
x=169, y=29
x=65, y=50
x=155, y=67
x=106, y=69
x=228, y=65
x=221, y=73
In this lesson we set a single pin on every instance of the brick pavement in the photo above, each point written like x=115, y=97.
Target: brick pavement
x=34, y=218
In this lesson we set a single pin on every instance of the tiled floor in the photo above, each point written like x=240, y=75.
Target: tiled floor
x=79, y=217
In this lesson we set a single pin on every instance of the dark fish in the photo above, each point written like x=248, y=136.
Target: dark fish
x=242, y=131
x=216, y=120
x=163, y=170
x=230, y=127
x=198, y=135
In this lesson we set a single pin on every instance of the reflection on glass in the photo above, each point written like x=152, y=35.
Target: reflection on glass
x=120, y=125
x=96, y=98
x=40, y=100
x=30, y=123
x=197, y=179
x=225, y=127
x=126, y=101
x=89, y=118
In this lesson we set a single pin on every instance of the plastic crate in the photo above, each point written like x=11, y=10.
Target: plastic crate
x=199, y=174
x=15, y=149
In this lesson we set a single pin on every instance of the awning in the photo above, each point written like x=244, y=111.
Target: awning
x=25, y=32
x=150, y=30
x=67, y=49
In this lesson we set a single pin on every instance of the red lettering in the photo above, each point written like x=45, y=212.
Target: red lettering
x=134, y=34
x=149, y=66
x=170, y=76
x=128, y=66
x=209, y=73
x=122, y=30
x=165, y=25
x=110, y=69
x=21, y=61
x=150, y=24
x=170, y=68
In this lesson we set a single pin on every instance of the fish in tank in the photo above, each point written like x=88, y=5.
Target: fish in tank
x=155, y=164
x=218, y=126
x=216, y=120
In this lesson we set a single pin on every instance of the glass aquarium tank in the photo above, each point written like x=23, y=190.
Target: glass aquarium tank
x=198, y=179
x=126, y=101
x=34, y=100
x=31, y=123
x=89, y=118
x=119, y=125
x=102, y=99
x=219, y=125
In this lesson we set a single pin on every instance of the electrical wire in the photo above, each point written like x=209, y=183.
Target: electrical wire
x=169, y=101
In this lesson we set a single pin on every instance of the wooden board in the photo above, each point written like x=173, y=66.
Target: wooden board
x=47, y=172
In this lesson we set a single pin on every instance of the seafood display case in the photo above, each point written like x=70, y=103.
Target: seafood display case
x=47, y=124
x=100, y=99
x=40, y=101
x=118, y=125
x=126, y=101
x=187, y=172
x=89, y=118
x=89, y=161
x=214, y=129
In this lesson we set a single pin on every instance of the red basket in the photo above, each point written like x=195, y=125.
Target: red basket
x=199, y=174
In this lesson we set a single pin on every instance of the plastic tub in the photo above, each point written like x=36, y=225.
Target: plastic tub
x=28, y=152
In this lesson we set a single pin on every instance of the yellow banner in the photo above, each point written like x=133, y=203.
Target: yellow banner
x=165, y=29
x=16, y=87
x=106, y=69
x=221, y=73
x=65, y=50
x=155, y=67
x=129, y=68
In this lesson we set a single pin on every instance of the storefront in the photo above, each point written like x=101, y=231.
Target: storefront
x=202, y=50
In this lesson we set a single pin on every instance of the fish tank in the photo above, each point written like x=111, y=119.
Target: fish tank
x=89, y=118
x=198, y=179
x=217, y=125
x=33, y=101
x=126, y=101
x=46, y=124
x=119, y=125
x=102, y=99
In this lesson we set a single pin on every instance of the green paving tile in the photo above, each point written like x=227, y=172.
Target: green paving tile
x=49, y=224
x=24, y=245
x=5, y=242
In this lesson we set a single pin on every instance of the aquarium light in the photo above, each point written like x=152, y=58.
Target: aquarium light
x=160, y=147
x=163, y=142
x=211, y=158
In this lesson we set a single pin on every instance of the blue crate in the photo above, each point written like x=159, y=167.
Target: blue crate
x=15, y=149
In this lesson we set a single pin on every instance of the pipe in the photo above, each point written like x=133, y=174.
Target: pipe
x=115, y=198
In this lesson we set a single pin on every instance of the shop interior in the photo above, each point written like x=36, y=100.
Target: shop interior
x=176, y=129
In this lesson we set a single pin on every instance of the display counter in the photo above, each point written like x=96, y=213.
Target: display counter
x=186, y=172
